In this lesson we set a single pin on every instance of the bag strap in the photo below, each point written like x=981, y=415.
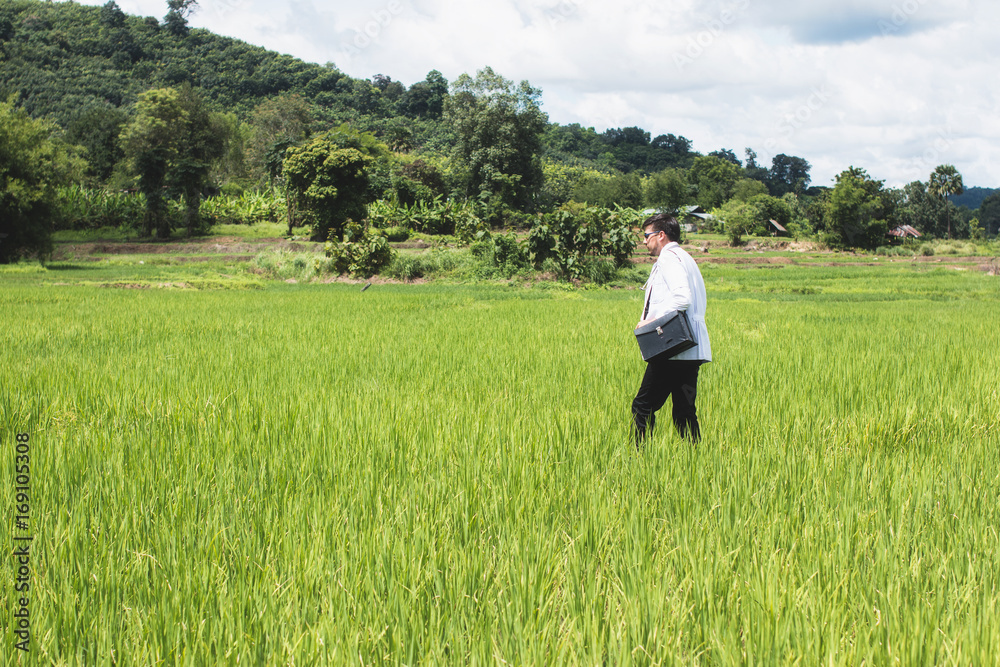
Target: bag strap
x=649, y=295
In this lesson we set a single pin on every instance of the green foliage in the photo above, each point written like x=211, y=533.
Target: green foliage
x=397, y=234
x=33, y=164
x=745, y=188
x=498, y=129
x=787, y=174
x=276, y=124
x=499, y=256
x=436, y=217
x=96, y=129
x=171, y=143
x=943, y=182
x=64, y=57
x=669, y=190
x=976, y=231
x=739, y=218
x=508, y=255
x=83, y=208
x=328, y=179
x=609, y=190
x=541, y=243
x=621, y=225
x=426, y=99
x=248, y=208
x=742, y=218
x=989, y=215
x=857, y=211
x=894, y=251
x=631, y=149
x=363, y=252
x=769, y=208
x=714, y=180
x=416, y=179
x=287, y=265
x=922, y=210
x=560, y=179
x=574, y=232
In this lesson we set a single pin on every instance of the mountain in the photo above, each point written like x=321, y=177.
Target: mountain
x=62, y=58
x=972, y=197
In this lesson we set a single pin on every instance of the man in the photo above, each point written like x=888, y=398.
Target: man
x=675, y=283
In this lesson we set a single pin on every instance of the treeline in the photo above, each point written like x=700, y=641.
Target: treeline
x=175, y=114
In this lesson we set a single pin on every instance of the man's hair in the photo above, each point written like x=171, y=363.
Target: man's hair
x=661, y=222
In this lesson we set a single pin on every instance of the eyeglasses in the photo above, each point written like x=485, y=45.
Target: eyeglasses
x=648, y=234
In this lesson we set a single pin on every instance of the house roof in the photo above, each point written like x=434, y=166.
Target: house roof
x=777, y=226
x=902, y=231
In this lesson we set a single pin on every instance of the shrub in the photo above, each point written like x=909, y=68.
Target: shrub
x=600, y=271
x=397, y=234
x=283, y=264
x=507, y=252
x=409, y=267
x=363, y=252
x=574, y=231
x=893, y=251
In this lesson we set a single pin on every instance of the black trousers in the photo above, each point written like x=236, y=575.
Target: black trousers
x=663, y=379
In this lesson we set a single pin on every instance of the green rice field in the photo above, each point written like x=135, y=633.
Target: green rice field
x=256, y=472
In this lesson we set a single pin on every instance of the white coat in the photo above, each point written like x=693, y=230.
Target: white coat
x=675, y=283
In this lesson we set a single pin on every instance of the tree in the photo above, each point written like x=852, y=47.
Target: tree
x=668, y=190
x=671, y=143
x=751, y=217
x=178, y=12
x=171, y=142
x=32, y=166
x=425, y=99
x=745, y=188
x=989, y=214
x=634, y=136
x=922, y=210
x=608, y=191
x=714, y=178
x=201, y=140
x=499, y=128
x=328, y=179
x=787, y=174
x=857, y=211
x=96, y=129
x=276, y=124
x=943, y=182
x=728, y=155
x=752, y=169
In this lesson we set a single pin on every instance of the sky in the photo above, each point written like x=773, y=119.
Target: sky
x=895, y=87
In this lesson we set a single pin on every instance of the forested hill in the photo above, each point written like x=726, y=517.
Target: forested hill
x=74, y=63
x=64, y=57
x=972, y=197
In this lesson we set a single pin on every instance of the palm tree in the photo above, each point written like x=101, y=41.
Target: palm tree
x=943, y=182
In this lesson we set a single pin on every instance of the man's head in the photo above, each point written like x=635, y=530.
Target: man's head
x=658, y=231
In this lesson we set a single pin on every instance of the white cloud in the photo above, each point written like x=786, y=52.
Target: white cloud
x=888, y=85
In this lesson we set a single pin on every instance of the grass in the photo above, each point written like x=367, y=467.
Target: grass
x=442, y=473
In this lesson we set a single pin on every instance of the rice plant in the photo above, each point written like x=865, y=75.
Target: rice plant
x=313, y=474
